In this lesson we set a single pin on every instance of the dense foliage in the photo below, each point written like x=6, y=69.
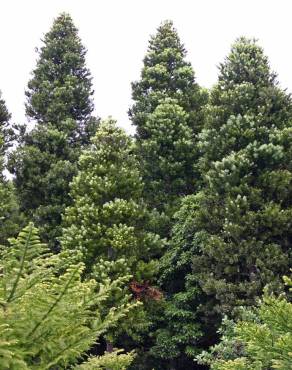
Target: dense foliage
x=108, y=218
x=243, y=222
x=178, y=339
x=168, y=115
x=261, y=340
x=161, y=244
x=10, y=217
x=233, y=237
x=59, y=102
x=6, y=129
x=49, y=317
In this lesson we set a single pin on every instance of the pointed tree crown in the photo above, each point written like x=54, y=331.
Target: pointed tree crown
x=246, y=63
x=59, y=101
x=165, y=74
x=244, y=211
x=108, y=218
x=61, y=85
x=165, y=57
x=246, y=83
x=4, y=114
x=245, y=104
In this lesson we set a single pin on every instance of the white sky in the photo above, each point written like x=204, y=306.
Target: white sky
x=116, y=34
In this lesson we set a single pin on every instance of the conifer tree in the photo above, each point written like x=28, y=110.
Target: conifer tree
x=239, y=234
x=59, y=103
x=109, y=221
x=167, y=113
x=178, y=338
x=4, y=124
x=232, y=238
x=6, y=130
x=242, y=226
x=107, y=218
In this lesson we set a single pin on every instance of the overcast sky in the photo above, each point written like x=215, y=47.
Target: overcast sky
x=116, y=34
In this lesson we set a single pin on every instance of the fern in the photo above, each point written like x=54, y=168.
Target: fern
x=261, y=340
x=49, y=316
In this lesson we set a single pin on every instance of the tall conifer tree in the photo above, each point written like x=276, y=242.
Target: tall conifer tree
x=233, y=237
x=108, y=219
x=4, y=124
x=167, y=113
x=243, y=222
x=238, y=226
x=59, y=102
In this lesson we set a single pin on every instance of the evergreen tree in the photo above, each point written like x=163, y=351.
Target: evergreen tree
x=109, y=221
x=168, y=115
x=107, y=218
x=178, y=338
x=11, y=219
x=232, y=238
x=243, y=232
x=60, y=105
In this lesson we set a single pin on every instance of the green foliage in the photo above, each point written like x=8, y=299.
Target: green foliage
x=6, y=129
x=261, y=340
x=59, y=103
x=211, y=172
x=229, y=347
x=167, y=114
x=177, y=337
x=232, y=237
x=61, y=86
x=10, y=218
x=245, y=209
x=108, y=219
x=48, y=315
x=109, y=361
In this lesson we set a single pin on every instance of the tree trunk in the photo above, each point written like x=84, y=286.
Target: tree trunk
x=109, y=347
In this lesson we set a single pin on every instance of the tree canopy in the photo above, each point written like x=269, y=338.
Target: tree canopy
x=162, y=250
